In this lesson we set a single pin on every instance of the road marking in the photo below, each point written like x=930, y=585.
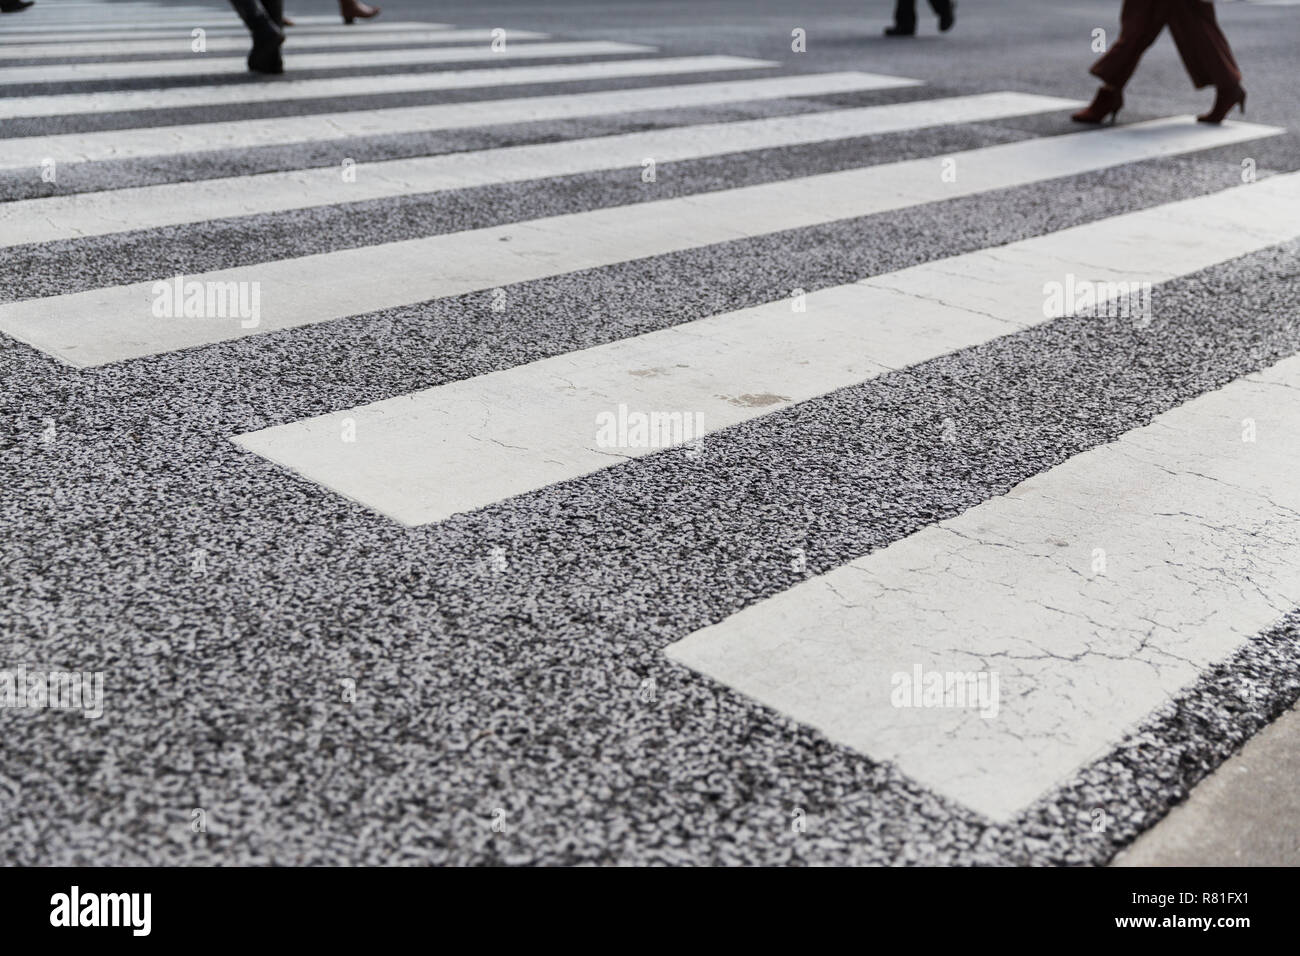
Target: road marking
x=425, y=456
x=180, y=18
x=180, y=44
x=182, y=32
x=148, y=207
x=59, y=104
x=209, y=66
x=112, y=324
x=282, y=130
x=1198, y=534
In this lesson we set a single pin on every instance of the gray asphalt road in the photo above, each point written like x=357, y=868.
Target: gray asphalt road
x=517, y=696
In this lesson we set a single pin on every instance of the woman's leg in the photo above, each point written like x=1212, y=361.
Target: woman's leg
x=905, y=16
x=1203, y=46
x=264, y=25
x=1140, y=22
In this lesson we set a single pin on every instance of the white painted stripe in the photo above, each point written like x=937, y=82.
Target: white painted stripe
x=52, y=40
x=242, y=134
x=146, y=21
x=354, y=86
x=1202, y=552
x=205, y=66
x=147, y=207
x=108, y=325
x=453, y=448
x=129, y=20
x=180, y=43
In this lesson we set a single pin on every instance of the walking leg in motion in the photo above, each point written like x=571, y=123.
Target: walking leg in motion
x=262, y=17
x=354, y=9
x=1140, y=22
x=904, y=19
x=1208, y=57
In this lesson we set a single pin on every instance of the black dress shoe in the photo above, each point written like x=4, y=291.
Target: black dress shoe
x=947, y=15
x=265, y=58
x=13, y=6
x=897, y=31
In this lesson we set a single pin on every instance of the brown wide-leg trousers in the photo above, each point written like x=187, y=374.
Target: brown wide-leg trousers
x=1196, y=33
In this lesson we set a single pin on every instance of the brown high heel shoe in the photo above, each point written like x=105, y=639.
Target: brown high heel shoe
x=1108, y=102
x=1224, y=101
x=352, y=9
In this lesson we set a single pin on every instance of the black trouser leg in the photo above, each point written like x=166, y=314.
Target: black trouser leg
x=264, y=25
x=905, y=14
x=275, y=10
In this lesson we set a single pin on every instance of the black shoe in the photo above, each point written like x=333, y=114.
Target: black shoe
x=897, y=31
x=266, y=59
x=13, y=6
x=265, y=56
x=947, y=15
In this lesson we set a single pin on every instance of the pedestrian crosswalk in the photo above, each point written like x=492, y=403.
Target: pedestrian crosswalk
x=205, y=65
x=845, y=335
x=1012, y=589
x=246, y=134
x=183, y=44
x=119, y=210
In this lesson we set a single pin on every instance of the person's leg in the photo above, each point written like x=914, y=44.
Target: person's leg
x=945, y=10
x=1203, y=46
x=266, y=31
x=1140, y=22
x=275, y=10
x=1208, y=57
x=352, y=9
x=904, y=19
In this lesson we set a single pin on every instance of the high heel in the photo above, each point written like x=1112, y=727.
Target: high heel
x=1224, y=101
x=1107, y=102
x=352, y=9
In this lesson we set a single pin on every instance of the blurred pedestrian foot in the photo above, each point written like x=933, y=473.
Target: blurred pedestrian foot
x=1108, y=102
x=286, y=22
x=13, y=6
x=947, y=11
x=263, y=19
x=905, y=17
x=352, y=9
x=1224, y=100
x=265, y=56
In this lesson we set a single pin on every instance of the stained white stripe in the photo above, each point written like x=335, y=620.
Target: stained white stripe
x=51, y=41
x=453, y=448
x=119, y=210
x=1202, y=552
x=180, y=44
x=354, y=86
x=241, y=134
x=206, y=65
x=106, y=325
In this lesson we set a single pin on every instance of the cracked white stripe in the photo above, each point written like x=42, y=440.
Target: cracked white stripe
x=452, y=448
x=149, y=207
x=1201, y=552
x=112, y=324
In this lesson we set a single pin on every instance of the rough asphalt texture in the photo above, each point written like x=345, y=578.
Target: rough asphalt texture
x=523, y=690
